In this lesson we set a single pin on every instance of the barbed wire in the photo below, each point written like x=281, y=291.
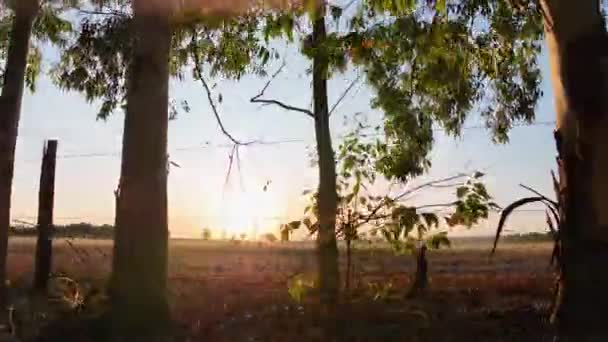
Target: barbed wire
x=261, y=143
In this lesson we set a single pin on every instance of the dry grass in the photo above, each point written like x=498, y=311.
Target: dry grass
x=229, y=292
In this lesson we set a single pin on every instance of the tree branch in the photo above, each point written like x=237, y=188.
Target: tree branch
x=434, y=183
x=554, y=203
x=385, y=202
x=258, y=99
x=100, y=12
x=199, y=75
x=344, y=93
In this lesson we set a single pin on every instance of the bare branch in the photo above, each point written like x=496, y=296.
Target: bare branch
x=100, y=12
x=258, y=99
x=440, y=205
x=433, y=183
x=441, y=186
x=200, y=76
x=554, y=203
x=373, y=215
x=344, y=93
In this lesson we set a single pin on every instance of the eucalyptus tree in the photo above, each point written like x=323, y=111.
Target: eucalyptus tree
x=124, y=57
x=489, y=49
x=21, y=21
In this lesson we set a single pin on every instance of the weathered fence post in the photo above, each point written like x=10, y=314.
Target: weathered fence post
x=46, y=196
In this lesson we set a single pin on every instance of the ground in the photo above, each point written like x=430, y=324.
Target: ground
x=224, y=291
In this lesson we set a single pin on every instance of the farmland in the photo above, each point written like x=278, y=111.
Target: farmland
x=226, y=291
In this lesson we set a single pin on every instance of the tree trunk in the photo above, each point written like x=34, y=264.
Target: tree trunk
x=44, y=245
x=576, y=38
x=139, y=276
x=421, y=277
x=327, y=248
x=10, y=109
x=349, y=250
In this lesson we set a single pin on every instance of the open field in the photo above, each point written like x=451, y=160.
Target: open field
x=223, y=291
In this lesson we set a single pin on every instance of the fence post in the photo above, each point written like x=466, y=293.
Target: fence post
x=46, y=196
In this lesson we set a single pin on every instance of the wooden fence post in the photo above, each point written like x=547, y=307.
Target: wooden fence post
x=46, y=196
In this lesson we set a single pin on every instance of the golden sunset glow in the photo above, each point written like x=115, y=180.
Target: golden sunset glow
x=245, y=211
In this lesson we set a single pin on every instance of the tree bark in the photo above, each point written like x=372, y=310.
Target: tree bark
x=576, y=38
x=327, y=249
x=349, y=250
x=421, y=277
x=44, y=245
x=138, y=283
x=10, y=109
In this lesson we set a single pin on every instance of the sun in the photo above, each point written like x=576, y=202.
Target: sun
x=246, y=212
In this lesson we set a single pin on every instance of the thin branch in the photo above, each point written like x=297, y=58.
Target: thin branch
x=346, y=91
x=231, y=159
x=199, y=75
x=441, y=186
x=107, y=13
x=429, y=184
x=554, y=203
x=440, y=205
x=258, y=99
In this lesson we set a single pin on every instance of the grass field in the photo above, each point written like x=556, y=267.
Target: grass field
x=221, y=291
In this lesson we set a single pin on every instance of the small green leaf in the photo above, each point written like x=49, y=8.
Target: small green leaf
x=440, y=6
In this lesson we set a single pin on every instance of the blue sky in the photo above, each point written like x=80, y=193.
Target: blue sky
x=198, y=196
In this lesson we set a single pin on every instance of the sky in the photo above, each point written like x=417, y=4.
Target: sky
x=88, y=162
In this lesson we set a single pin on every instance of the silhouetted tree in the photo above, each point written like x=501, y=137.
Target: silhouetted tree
x=25, y=19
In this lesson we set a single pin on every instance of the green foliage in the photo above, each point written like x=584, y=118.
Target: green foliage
x=96, y=63
x=48, y=28
x=381, y=291
x=298, y=287
x=404, y=225
x=438, y=240
x=436, y=62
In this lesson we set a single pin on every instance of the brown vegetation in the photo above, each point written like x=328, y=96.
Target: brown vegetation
x=226, y=292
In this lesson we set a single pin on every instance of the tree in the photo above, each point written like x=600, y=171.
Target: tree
x=573, y=33
x=122, y=57
x=407, y=227
x=206, y=234
x=138, y=282
x=578, y=83
x=21, y=67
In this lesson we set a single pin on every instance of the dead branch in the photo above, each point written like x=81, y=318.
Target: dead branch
x=344, y=93
x=539, y=194
x=199, y=75
x=433, y=183
x=258, y=99
x=113, y=13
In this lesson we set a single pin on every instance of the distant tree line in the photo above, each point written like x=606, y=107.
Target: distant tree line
x=73, y=230
x=529, y=237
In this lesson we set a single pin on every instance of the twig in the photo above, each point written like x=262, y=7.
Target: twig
x=108, y=13
x=258, y=99
x=372, y=215
x=344, y=93
x=429, y=184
